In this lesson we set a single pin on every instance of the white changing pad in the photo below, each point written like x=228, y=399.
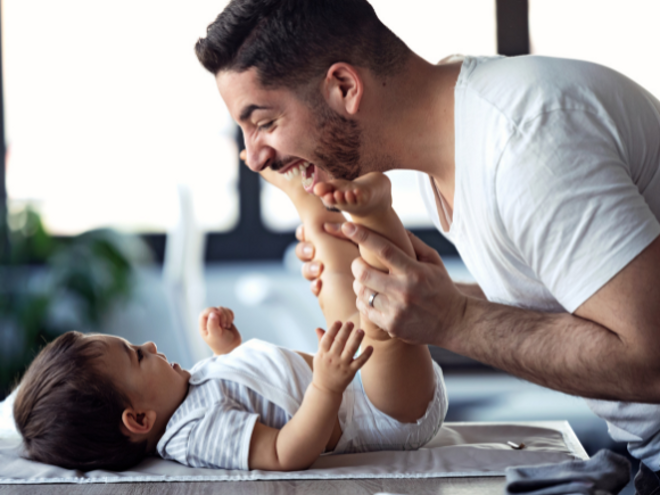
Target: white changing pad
x=459, y=450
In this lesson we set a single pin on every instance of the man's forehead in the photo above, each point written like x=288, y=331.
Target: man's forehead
x=242, y=91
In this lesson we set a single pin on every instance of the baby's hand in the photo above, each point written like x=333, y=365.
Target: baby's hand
x=216, y=326
x=334, y=363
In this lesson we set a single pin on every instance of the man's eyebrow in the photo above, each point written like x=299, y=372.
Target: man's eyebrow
x=247, y=111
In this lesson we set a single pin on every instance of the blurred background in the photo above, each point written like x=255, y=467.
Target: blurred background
x=127, y=211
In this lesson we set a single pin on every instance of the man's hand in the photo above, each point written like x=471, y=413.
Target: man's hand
x=312, y=270
x=334, y=363
x=216, y=326
x=416, y=301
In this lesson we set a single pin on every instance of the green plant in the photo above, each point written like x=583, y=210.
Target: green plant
x=39, y=274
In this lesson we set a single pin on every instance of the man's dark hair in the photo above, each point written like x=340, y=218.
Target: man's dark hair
x=293, y=42
x=69, y=413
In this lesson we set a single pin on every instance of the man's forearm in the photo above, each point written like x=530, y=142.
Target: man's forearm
x=556, y=350
x=472, y=290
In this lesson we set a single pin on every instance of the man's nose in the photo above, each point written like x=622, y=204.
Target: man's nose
x=257, y=156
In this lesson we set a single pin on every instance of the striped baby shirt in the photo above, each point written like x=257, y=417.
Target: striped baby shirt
x=213, y=426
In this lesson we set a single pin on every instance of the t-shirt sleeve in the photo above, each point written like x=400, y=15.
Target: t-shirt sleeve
x=217, y=437
x=221, y=438
x=567, y=202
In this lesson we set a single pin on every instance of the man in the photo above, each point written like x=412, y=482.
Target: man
x=545, y=174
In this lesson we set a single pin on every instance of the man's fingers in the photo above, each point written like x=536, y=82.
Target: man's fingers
x=378, y=318
x=243, y=155
x=359, y=361
x=319, y=335
x=305, y=251
x=368, y=277
x=334, y=229
x=424, y=252
x=378, y=299
x=389, y=254
x=315, y=286
x=312, y=270
x=300, y=232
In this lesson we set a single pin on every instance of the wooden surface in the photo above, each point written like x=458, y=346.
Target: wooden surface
x=436, y=486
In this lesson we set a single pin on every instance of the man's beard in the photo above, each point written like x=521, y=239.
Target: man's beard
x=338, y=149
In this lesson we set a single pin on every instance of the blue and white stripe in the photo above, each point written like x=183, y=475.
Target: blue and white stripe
x=213, y=426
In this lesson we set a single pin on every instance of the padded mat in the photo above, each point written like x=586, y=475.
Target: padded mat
x=458, y=450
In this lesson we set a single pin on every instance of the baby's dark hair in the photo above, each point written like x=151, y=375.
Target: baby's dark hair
x=69, y=413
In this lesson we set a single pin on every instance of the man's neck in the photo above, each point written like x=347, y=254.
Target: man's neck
x=416, y=121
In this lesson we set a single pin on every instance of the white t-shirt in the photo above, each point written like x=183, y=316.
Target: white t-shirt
x=557, y=188
x=213, y=426
x=228, y=394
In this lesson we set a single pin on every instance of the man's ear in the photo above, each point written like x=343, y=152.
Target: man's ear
x=137, y=422
x=343, y=87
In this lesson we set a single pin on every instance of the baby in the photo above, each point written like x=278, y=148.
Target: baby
x=97, y=401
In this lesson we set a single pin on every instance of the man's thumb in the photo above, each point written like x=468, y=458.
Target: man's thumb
x=424, y=252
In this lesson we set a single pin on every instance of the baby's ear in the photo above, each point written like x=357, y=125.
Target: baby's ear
x=138, y=423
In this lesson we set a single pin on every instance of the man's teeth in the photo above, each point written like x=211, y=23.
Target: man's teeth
x=297, y=170
x=308, y=181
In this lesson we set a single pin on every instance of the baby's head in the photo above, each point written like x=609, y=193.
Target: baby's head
x=97, y=402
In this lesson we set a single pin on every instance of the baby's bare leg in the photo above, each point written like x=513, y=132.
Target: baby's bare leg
x=399, y=378
x=336, y=299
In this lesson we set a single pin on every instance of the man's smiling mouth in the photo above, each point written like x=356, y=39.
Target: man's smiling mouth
x=307, y=172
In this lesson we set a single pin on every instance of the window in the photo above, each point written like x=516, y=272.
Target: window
x=107, y=111
x=433, y=30
x=623, y=36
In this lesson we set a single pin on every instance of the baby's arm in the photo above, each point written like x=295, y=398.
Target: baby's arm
x=216, y=326
x=300, y=442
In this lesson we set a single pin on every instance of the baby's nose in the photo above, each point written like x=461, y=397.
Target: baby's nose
x=152, y=347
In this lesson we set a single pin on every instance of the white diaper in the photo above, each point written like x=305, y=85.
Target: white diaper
x=367, y=429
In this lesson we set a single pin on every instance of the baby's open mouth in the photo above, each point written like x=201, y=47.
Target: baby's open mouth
x=306, y=171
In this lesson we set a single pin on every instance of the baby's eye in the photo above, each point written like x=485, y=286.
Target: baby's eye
x=140, y=355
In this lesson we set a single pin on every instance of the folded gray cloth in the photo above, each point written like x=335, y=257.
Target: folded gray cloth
x=606, y=473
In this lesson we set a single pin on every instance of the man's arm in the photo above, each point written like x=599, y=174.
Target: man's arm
x=472, y=290
x=312, y=268
x=608, y=349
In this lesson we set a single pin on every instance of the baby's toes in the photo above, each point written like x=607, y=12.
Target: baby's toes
x=352, y=197
x=339, y=197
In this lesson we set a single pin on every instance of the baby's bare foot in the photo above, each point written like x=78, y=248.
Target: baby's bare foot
x=290, y=182
x=360, y=197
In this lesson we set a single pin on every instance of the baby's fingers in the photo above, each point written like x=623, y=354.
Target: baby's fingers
x=353, y=344
x=342, y=337
x=213, y=323
x=326, y=340
x=359, y=361
x=203, y=318
x=226, y=317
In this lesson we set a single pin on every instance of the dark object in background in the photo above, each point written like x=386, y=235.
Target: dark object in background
x=49, y=286
x=605, y=473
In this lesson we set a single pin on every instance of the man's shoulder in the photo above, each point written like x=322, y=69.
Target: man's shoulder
x=524, y=87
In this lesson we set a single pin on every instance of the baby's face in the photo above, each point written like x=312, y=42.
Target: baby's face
x=146, y=377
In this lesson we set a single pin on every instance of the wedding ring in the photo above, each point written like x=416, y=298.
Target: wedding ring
x=371, y=299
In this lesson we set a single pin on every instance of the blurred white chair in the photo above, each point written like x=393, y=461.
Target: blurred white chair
x=183, y=278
